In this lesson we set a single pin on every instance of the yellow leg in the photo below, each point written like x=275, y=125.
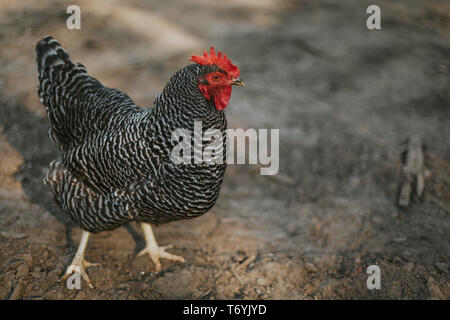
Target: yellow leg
x=78, y=263
x=154, y=250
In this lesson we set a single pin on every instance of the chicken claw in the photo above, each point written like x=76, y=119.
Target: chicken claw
x=79, y=264
x=156, y=252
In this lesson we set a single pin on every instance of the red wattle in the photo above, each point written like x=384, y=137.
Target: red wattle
x=222, y=98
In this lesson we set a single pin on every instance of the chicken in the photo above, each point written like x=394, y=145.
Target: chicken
x=114, y=163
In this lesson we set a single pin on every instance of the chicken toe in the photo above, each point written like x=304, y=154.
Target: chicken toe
x=156, y=252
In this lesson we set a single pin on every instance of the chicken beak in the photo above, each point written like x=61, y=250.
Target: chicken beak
x=238, y=82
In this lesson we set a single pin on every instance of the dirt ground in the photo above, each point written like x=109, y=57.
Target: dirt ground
x=344, y=98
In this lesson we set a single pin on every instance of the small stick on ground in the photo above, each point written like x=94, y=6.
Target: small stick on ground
x=244, y=264
x=237, y=277
x=413, y=172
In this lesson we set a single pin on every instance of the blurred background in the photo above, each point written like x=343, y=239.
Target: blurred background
x=345, y=100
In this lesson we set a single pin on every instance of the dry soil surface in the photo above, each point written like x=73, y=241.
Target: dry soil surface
x=344, y=98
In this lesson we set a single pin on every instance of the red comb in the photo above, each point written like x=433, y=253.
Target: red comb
x=219, y=60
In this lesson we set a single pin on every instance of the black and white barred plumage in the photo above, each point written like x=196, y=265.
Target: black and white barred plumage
x=114, y=164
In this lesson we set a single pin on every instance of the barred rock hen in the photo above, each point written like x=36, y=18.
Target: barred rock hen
x=115, y=157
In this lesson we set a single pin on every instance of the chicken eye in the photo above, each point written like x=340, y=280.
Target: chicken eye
x=215, y=77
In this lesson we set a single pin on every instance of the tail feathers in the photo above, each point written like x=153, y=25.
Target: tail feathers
x=62, y=88
x=50, y=53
